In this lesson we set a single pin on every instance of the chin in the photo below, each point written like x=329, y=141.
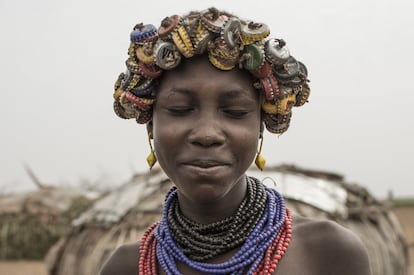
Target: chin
x=203, y=192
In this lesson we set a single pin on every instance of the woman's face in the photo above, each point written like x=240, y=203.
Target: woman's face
x=206, y=126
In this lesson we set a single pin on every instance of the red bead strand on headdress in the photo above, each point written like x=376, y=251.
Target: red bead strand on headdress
x=277, y=249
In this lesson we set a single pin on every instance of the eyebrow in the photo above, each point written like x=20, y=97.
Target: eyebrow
x=230, y=93
x=184, y=91
x=235, y=93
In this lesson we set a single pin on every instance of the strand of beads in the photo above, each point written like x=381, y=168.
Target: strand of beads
x=274, y=253
x=277, y=249
x=267, y=264
x=276, y=219
x=250, y=254
x=147, y=260
x=202, y=242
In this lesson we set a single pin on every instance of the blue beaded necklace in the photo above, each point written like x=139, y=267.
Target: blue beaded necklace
x=249, y=255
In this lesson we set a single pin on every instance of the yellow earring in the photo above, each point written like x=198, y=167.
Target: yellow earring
x=152, y=158
x=260, y=161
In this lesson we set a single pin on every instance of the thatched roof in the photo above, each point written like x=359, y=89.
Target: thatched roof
x=31, y=222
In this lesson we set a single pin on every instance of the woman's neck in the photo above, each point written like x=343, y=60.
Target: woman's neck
x=209, y=212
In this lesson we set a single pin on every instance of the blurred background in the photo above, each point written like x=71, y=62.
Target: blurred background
x=59, y=60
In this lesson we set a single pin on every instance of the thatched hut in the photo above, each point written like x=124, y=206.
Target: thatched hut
x=31, y=222
x=122, y=216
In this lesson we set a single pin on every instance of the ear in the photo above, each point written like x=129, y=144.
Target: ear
x=150, y=129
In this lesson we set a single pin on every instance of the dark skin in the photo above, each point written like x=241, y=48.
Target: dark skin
x=205, y=136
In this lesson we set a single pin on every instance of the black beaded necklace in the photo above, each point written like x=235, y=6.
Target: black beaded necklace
x=201, y=242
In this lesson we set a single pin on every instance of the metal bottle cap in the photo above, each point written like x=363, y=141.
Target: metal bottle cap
x=213, y=20
x=143, y=32
x=167, y=55
x=289, y=70
x=276, y=51
x=168, y=24
x=254, y=57
x=231, y=32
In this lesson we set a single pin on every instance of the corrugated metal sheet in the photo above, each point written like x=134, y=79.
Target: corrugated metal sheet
x=320, y=193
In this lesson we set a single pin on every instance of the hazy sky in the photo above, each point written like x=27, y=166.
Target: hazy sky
x=59, y=60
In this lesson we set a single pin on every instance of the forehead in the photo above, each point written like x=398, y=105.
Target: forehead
x=198, y=74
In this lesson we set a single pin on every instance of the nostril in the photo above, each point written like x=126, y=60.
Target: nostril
x=206, y=141
x=206, y=134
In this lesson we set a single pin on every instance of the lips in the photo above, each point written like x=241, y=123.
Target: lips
x=206, y=168
x=205, y=163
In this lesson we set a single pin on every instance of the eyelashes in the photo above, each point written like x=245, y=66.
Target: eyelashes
x=180, y=110
x=236, y=113
x=188, y=110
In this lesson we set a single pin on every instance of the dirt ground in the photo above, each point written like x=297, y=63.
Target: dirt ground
x=404, y=214
x=406, y=218
x=22, y=267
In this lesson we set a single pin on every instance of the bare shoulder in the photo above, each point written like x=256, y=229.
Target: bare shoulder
x=331, y=248
x=124, y=261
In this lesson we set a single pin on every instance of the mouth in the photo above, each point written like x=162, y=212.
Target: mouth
x=206, y=168
x=205, y=164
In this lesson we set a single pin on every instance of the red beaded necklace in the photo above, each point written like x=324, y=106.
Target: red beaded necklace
x=277, y=249
x=274, y=253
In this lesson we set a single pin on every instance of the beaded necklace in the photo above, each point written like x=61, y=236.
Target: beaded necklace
x=201, y=242
x=260, y=253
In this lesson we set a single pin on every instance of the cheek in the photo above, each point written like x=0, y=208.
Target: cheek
x=164, y=151
x=247, y=143
x=163, y=141
x=167, y=141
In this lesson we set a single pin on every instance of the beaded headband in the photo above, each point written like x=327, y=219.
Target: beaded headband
x=229, y=42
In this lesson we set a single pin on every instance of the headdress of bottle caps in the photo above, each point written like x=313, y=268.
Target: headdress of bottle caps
x=229, y=42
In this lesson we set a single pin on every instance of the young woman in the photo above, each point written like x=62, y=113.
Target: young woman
x=223, y=81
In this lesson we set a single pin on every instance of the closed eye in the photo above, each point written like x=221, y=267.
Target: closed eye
x=236, y=113
x=179, y=110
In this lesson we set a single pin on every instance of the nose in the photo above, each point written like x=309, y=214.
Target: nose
x=207, y=133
